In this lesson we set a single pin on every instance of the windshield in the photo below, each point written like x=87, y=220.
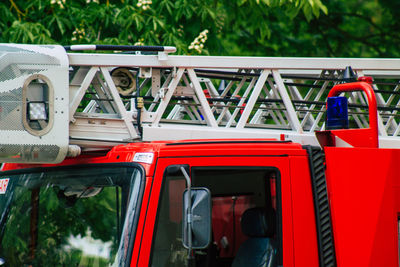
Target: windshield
x=69, y=216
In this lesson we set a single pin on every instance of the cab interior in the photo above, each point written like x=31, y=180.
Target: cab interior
x=246, y=221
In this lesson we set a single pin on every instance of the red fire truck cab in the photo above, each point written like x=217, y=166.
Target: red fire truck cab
x=125, y=207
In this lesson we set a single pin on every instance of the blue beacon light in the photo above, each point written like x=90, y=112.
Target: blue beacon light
x=336, y=113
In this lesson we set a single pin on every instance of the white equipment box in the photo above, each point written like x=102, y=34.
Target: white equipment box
x=33, y=103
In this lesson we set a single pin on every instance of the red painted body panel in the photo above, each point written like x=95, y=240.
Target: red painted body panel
x=142, y=220
x=304, y=227
x=242, y=149
x=363, y=189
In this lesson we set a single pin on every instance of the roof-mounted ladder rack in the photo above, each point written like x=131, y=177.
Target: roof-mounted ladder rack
x=138, y=97
x=106, y=99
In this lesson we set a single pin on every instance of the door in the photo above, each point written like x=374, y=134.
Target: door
x=237, y=184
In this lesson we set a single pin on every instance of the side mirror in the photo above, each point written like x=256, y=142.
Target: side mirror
x=200, y=219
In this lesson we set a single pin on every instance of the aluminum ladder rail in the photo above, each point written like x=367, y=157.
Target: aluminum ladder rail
x=119, y=98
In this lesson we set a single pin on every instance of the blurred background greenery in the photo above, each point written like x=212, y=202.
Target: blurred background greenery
x=334, y=28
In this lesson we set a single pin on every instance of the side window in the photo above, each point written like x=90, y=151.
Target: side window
x=226, y=213
x=167, y=247
x=235, y=191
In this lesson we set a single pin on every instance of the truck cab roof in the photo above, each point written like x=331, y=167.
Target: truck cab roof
x=180, y=148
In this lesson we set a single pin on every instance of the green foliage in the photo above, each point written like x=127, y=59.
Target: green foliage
x=146, y=22
x=57, y=222
x=351, y=28
x=28, y=32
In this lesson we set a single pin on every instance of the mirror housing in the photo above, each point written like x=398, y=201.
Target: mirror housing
x=200, y=220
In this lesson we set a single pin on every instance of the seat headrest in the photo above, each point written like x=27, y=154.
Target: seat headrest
x=258, y=222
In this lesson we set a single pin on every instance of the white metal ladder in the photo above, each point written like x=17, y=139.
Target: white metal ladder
x=117, y=98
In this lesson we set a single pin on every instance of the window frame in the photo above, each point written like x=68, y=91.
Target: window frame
x=192, y=168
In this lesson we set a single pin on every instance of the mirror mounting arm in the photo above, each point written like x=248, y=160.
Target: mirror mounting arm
x=189, y=215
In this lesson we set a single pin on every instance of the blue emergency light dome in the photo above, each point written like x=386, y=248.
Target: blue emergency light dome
x=336, y=113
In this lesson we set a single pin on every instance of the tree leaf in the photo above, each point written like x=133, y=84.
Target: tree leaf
x=307, y=10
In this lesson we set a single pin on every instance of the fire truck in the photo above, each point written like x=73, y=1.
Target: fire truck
x=137, y=157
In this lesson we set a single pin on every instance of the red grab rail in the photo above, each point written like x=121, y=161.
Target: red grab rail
x=367, y=137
